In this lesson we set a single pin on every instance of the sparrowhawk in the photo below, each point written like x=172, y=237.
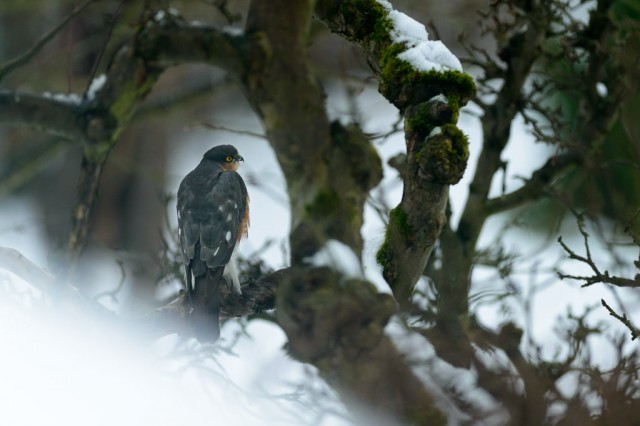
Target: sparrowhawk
x=213, y=215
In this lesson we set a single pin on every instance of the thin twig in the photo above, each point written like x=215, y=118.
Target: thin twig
x=94, y=69
x=225, y=129
x=598, y=277
x=635, y=332
x=15, y=63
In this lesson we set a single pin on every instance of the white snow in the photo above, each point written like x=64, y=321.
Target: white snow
x=431, y=55
x=436, y=130
x=442, y=379
x=69, y=98
x=439, y=98
x=96, y=85
x=233, y=31
x=406, y=29
x=421, y=53
x=339, y=257
x=385, y=4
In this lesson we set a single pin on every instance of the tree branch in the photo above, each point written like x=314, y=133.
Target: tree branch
x=536, y=186
x=519, y=53
x=598, y=277
x=66, y=296
x=635, y=332
x=329, y=168
x=168, y=40
x=337, y=324
x=430, y=101
x=11, y=65
x=49, y=114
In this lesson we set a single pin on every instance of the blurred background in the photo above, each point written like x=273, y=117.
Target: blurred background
x=130, y=264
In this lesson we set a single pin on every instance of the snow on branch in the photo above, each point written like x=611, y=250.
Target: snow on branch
x=421, y=53
x=339, y=257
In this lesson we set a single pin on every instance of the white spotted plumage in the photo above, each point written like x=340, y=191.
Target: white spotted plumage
x=212, y=204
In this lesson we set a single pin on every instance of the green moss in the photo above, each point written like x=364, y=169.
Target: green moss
x=326, y=203
x=384, y=254
x=404, y=85
x=367, y=22
x=367, y=19
x=443, y=158
x=398, y=218
x=364, y=163
x=123, y=107
x=420, y=120
x=454, y=104
x=398, y=222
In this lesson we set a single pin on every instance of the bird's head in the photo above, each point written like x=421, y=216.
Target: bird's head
x=226, y=156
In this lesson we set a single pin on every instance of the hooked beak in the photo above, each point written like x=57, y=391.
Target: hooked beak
x=239, y=158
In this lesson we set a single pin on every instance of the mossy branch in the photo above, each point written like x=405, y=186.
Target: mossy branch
x=437, y=151
x=344, y=338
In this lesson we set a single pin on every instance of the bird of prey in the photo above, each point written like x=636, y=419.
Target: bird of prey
x=213, y=215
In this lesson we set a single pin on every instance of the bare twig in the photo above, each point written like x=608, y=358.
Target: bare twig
x=56, y=116
x=635, y=332
x=94, y=68
x=536, y=186
x=597, y=277
x=11, y=65
x=225, y=129
x=112, y=294
x=193, y=88
x=13, y=261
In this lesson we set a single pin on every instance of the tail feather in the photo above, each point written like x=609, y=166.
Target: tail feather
x=205, y=300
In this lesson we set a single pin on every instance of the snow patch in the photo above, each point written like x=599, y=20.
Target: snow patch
x=406, y=29
x=422, y=53
x=339, y=257
x=436, y=130
x=233, y=31
x=439, y=98
x=385, y=4
x=443, y=380
x=96, y=85
x=602, y=89
x=69, y=98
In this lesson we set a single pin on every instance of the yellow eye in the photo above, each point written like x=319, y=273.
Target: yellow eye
x=228, y=158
